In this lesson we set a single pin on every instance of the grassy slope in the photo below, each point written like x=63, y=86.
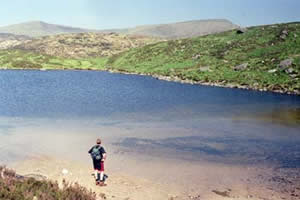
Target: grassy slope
x=260, y=47
x=19, y=59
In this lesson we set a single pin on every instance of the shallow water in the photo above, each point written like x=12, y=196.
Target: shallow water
x=53, y=111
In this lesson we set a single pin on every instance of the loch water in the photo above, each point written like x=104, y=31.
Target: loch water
x=229, y=125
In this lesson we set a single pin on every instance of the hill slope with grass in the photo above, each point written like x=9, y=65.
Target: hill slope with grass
x=263, y=58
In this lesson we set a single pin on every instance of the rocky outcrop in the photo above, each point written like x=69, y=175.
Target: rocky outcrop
x=272, y=71
x=288, y=67
x=285, y=64
x=10, y=40
x=241, y=67
x=241, y=31
x=284, y=33
x=82, y=45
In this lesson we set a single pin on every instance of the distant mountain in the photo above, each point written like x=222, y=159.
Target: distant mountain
x=38, y=28
x=166, y=31
x=183, y=29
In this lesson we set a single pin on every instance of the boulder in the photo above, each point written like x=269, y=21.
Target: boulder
x=205, y=69
x=286, y=63
x=284, y=33
x=283, y=37
x=272, y=71
x=197, y=56
x=294, y=76
x=241, y=30
x=290, y=70
x=241, y=67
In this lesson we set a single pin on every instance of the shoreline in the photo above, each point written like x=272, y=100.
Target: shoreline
x=134, y=174
x=174, y=79
x=120, y=186
x=235, y=183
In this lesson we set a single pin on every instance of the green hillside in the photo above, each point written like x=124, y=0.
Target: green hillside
x=251, y=59
x=20, y=59
x=261, y=58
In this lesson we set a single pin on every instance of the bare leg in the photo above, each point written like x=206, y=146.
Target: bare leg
x=96, y=174
x=101, y=176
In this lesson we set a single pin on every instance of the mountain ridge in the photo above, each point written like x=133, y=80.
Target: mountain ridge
x=39, y=28
x=175, y=30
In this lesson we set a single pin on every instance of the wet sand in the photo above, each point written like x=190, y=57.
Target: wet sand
x=168, y=179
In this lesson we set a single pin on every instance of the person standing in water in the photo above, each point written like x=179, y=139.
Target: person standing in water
x=98, y=155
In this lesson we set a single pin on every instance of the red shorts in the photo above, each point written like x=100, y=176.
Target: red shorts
x=98, y=165
x=102, y=166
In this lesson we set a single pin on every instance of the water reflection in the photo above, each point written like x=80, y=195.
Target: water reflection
x=288, y=116
x=228, y=150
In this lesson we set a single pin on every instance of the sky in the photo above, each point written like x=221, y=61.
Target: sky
x=107, y=14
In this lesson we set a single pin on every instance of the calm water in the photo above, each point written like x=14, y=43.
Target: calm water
x=208, y=121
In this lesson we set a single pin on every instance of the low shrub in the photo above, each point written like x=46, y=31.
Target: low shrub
x=14, y=187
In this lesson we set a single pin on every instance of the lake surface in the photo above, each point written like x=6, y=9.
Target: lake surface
x=192, y=121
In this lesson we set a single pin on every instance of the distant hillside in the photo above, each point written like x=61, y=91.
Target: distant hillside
x=9, y=36
x=82, y=45
x=8, y=40
x=265, y=58
x=183, y=29
x=38, y=28
x=166, y=31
